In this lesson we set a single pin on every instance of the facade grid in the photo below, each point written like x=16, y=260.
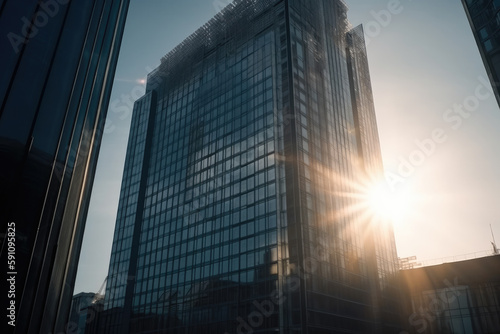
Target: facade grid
x=251, y=150
x=484, y=19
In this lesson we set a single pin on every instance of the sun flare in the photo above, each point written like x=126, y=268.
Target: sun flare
x=384, y=203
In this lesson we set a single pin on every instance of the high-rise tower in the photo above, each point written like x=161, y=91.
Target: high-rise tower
x=484, y=19
x=58, y=60
x=238, y=210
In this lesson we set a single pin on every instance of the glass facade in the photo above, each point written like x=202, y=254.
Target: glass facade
x=58, y=63
x=235, y=213
x=484, y=18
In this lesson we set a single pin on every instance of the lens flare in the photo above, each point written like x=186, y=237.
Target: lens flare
x=384, y=203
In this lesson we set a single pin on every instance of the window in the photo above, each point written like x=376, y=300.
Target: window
x=484, y=33
x=488, y=45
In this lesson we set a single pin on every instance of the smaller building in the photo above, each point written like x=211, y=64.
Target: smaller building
x=459, y=297
x=84, y=310
x=93, y=324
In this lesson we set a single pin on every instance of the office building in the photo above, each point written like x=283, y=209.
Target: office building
x=86, y=308
x=93, y=324
x=238, y=210
x=484, y=18
x=58, y=63
x=457, y=297
x=82, y=311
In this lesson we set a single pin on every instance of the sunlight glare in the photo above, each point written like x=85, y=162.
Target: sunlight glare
x=385, y=203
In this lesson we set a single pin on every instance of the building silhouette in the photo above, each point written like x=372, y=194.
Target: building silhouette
x=58, y=63
x=484, y=18
x=238, y=210
x=82, y=311
x=457, y=297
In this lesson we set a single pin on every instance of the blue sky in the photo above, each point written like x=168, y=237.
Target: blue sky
x=424, y=67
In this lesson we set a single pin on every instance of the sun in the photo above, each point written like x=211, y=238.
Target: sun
x=387, y=204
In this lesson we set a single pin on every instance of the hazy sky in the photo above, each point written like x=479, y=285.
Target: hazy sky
x=438, y=124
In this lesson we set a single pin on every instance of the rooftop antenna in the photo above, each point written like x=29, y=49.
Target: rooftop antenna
x=495, y=249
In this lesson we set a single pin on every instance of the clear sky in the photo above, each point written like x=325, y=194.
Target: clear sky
x=439, y=126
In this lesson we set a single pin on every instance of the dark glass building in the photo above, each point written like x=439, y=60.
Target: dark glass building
x=239, y=209
x=82, y=308
x=484, y=18
x=58, y=63
x=459, y=297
